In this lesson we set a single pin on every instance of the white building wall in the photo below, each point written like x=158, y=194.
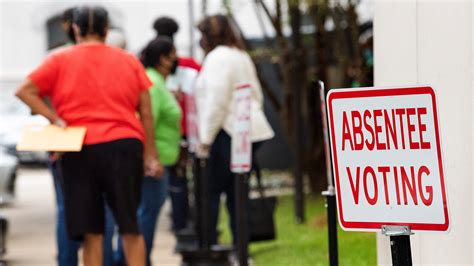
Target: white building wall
x=428, y=42
x=23, y=26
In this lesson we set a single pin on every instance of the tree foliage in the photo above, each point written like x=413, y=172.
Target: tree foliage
x=338, y=56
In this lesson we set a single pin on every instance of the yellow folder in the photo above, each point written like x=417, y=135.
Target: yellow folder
x=51, y=138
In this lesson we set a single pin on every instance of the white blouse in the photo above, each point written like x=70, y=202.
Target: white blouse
x=225, y=68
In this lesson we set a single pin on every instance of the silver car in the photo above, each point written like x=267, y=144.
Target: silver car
x=14, y=117
x=8, y=169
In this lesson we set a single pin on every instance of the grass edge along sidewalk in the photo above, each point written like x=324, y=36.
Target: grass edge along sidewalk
x=306, y=244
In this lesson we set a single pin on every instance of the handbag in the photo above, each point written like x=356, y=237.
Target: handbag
x=261, y=213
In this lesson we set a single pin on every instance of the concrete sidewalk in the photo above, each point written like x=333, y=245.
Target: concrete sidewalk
x=31, y=239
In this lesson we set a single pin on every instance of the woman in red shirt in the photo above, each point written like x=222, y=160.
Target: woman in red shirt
x=101, y=88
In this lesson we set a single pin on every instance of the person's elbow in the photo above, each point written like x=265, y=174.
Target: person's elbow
x=20, y=92
x=25, y=89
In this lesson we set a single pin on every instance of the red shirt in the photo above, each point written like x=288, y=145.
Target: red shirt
x=96, y=86
x=189, y=62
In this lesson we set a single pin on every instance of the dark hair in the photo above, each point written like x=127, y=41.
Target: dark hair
x=165, y=26
x=91, y=20
x=219, y=30
x=67, y=15
x=161, y=45
x=67, y=18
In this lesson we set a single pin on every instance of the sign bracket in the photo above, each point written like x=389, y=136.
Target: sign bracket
x=399, y=243
x=396, y=230
x=331, y=191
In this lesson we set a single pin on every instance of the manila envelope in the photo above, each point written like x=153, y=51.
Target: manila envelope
x=51, y=138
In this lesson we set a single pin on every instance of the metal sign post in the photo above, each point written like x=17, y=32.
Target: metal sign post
x=241, y=161
x=399, y=244
x=241, y=192
x=330, y=193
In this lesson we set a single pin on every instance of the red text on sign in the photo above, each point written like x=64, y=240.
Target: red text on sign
x=398, y=126
x=409, y=184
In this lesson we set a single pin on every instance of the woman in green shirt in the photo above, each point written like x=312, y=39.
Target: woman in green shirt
x=159, y=58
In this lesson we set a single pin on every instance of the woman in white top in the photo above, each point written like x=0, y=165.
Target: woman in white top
x=225, y=67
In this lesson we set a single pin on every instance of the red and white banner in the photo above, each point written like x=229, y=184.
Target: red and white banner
x=387, y=158
x=191, y=122
x=241, y=157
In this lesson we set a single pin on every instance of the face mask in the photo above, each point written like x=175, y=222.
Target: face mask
x=174, y=67
x=202, y=44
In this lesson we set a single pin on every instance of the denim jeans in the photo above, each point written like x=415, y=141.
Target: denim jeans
x=178, y=190
x=154, y=192
x=68, y=249
x=221, y=180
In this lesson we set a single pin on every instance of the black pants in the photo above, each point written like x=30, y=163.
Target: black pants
x=222, y=180
x=110, y=172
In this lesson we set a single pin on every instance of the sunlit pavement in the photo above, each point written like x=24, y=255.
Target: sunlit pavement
x=31, y=239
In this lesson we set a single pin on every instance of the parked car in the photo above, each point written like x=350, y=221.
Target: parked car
x=15, y=116
x=8, y=169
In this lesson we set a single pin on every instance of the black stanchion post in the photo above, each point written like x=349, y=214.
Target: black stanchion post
x=197, y=197
x=203, y=253
x=205, y=240
x=187, y=237
x=241, y=165
x=399, y=244
x=241, y=195
x=330, y=193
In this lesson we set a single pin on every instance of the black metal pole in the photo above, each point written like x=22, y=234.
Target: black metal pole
x=332, y=230
x=330, y=192
x=241, y=198
x=197, y=199
x=205, y=239
x=401, y=250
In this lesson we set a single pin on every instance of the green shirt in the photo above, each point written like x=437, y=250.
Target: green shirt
x=166, y=118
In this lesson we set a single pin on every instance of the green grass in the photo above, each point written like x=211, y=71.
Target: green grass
x=306, y=244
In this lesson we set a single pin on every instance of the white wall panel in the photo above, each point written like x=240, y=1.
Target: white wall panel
x=431, y=42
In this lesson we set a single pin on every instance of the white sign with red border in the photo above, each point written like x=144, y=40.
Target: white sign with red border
x=241, y=157
x=387, y=159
